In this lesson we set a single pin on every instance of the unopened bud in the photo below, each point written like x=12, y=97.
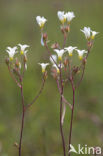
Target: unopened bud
x=63, y=29
x=55, y=46
x=45, y=36
x=75, y=70
x=17, y=64
x=54, y=73
x=67, y=29
x=84, y=61
x=16, y=145
x=7, y=61
x=66, y=61
x=25, y=59
x=89, y=44
x=45, y=75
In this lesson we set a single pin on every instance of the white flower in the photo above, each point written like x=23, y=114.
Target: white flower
x=62, y=16
x=41, y=21
x=69, y=16
x=22, y=49
x=70, y=50
x=11, y=52
x=87, y=32
x=58, y=67
x=59, y=53
x=93, y=34
x=81, y=53
x=43, y=66
x=53, y=59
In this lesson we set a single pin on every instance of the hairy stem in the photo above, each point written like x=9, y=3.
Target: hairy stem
x=13, y=77
x=61, y=107
x=61, y=128
x=22, y=123
x=39, y=93
x=72, y=115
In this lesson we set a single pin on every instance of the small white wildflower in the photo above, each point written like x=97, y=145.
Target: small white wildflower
x=70, y=50
x=11, y=52
x=53, y=59
x=43, y=66
x=59, y=53
x=93, y=34
x=62, y=16
x=22, y=49
x=41, y=21
x=81, y=53
x=69, y=16
x=87, y=32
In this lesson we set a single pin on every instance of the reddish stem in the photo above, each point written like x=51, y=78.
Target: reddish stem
x=72, y=115
x=23, y=115
x=40, y=91
x=13, y=77
x=61, y=107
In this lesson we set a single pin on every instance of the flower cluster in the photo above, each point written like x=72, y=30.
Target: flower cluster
x=63, y=17
x=14, y=65
x=89, y=34
x=63, y=67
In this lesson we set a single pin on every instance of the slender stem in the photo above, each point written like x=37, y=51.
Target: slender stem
x=83, y=70
x=72, y=115
x=61, y=128
x=61, y=107
x=13, y=77
x=65, y=38
x=23, y=116
x=63, y=98
x=36, y=97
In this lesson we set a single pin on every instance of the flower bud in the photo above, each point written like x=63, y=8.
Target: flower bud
x=7, y=61
x=45, y=75
x=75, y=70
x=25, y=58
x=55, y=46
x=17, y=64
x=66, y=62
x=84, y=61
x=62, y=29
x=54, y=73
x=67, y=28
x=16, y=144
x=45, y=36
x=89, y=44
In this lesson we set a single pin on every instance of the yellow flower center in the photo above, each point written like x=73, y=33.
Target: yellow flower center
x=63, y=21
x=58, y=71
x=92, y=37
x=43, y=70
x=11, y=58
x=80, y=57
x=42, y=25
x=70, y=54
x=59, y=58
x=21, y=52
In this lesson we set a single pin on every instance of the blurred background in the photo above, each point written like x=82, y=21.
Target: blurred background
x=41, y=130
